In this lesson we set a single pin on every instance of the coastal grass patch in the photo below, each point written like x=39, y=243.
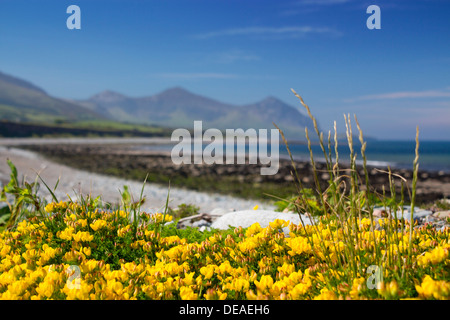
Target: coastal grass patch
x=41, y=125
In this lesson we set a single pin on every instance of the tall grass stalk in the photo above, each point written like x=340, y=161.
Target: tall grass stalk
x=348, y=204
x=305, y=204
x=369, y=205
x=413, y=196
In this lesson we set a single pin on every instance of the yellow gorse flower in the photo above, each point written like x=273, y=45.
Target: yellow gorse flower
x=298, y=245
x=435, y=256
x=430, y=288
x=66, y=234
x=278, y=223
x=161, y=218
x=264, y=283
x=326, y=294
x=98, y=224
x=54, y=207
x=186, y=293
x=82, y=236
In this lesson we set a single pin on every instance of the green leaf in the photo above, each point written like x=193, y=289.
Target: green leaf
x=5, y=211
x=49, y=190
x=12, y=189
x=13, y=170
x=4, y=218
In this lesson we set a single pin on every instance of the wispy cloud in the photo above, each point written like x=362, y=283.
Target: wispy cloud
x=197, y=75
x=403, y=95
x=285, y=32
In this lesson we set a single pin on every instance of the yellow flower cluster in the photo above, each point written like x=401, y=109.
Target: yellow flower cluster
x=434, y=289
x=68, y=234
x=100, y=255
x=98, y=224
x=54, y=207
x=62, y=206
x=160, y=217
x=435, y=256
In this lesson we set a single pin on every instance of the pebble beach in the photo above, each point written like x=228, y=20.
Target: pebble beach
x=73, y=182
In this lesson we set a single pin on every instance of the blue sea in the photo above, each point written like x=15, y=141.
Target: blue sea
x=434, y=156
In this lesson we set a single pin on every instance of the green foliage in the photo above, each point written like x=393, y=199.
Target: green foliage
x=309, y=203
x=24, y=194
x=191, y=234
x=443, y=204
x=288, y=204
x=184, y=210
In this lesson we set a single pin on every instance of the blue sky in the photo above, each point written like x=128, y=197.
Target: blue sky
x=241, y=51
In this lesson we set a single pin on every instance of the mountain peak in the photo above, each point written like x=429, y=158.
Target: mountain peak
x=271, y=99
x=272, y=102
x=177, y=107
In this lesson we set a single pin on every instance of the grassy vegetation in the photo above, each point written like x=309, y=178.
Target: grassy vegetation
x=113, y=126
x=11, y=113
x=57, y=127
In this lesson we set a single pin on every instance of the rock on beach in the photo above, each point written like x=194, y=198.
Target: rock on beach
x=245, y=218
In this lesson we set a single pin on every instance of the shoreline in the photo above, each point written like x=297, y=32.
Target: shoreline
x=128, y=160
x=162, y=145
x=75, y=182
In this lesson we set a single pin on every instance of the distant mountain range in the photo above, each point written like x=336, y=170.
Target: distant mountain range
x=22, y=101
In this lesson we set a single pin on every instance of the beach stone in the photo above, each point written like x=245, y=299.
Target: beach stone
x=418, y=213
x=201, y=223
x=429, y=219
x=204, y=228
x=246, y=218
x=219, y=211
x=379, y=213
x=442, y=214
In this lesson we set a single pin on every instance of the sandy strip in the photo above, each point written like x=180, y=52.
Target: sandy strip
x=73, y=182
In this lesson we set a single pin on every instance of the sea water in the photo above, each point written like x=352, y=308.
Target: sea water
x=434, y=156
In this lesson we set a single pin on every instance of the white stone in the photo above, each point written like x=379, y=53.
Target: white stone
x=246, y=218
x=418, y=213
x=219, y=211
